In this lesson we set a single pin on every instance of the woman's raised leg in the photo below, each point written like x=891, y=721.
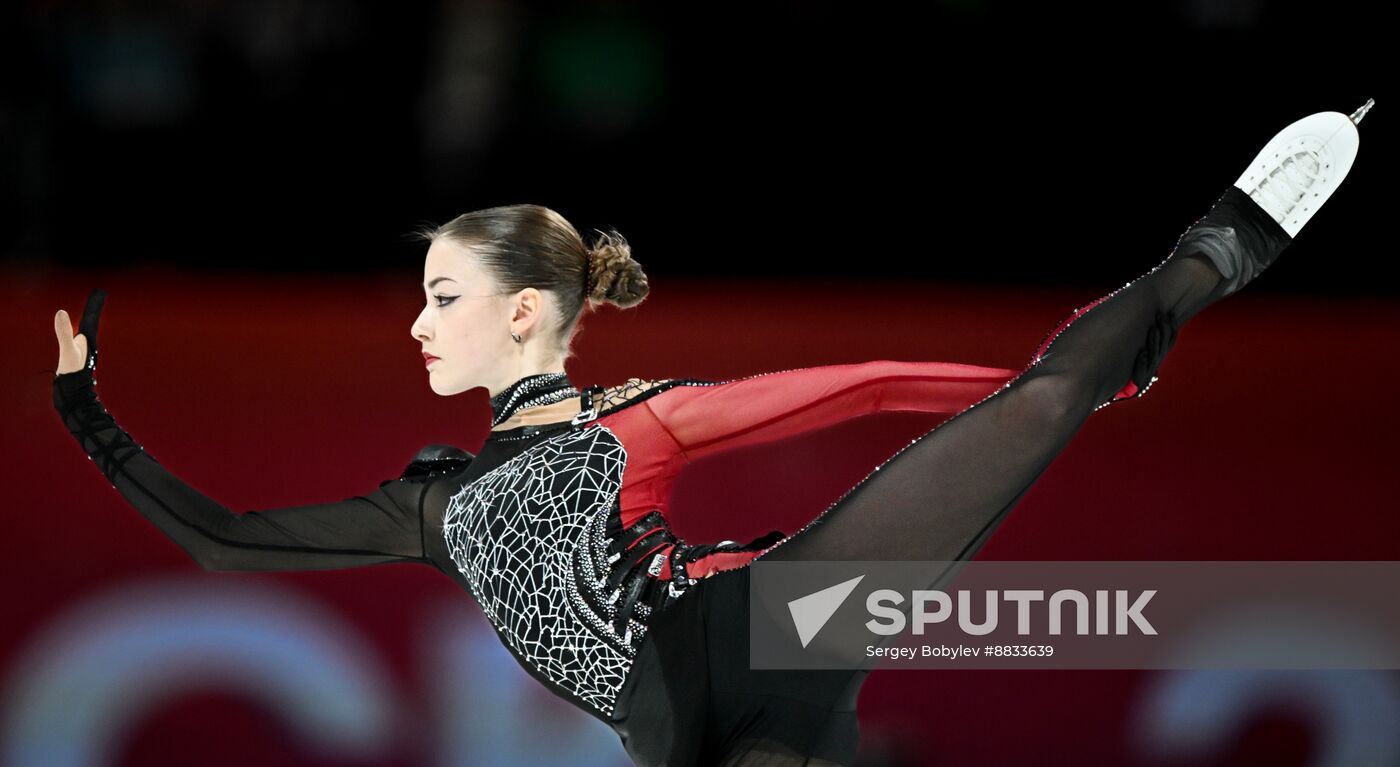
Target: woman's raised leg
x=941, y=496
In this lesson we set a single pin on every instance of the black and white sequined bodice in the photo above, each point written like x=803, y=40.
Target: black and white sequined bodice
x=534, y=539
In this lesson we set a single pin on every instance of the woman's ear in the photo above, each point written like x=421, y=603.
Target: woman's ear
x=528, y=307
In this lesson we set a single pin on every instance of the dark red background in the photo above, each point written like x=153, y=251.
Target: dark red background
x=1267, y=437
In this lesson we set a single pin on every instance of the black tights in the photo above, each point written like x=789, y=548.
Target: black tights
x=946, y=492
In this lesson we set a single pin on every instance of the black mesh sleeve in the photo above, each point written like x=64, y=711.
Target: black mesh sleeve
x=383, y=526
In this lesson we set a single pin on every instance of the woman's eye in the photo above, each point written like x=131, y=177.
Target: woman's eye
x=444, y=300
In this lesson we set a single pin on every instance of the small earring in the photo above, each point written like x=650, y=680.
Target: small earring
x=515, y=336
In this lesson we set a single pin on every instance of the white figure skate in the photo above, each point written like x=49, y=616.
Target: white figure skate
x=1300, y=167
x=1281, y=190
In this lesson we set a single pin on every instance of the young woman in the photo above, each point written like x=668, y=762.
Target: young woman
x=558, y=527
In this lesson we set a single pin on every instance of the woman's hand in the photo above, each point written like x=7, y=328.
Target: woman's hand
x=76, y=353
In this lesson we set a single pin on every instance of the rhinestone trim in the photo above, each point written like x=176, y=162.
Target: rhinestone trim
x=531, y=391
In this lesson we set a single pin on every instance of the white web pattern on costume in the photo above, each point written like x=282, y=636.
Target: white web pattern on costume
x=513, y=532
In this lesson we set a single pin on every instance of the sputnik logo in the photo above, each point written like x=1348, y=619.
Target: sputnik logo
x=811, y=612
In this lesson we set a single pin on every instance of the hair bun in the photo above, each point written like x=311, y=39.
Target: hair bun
x=614, y=277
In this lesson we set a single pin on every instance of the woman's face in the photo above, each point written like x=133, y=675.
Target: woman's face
x=465, y=324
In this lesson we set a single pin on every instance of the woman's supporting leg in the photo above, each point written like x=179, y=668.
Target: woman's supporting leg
x=941, y=497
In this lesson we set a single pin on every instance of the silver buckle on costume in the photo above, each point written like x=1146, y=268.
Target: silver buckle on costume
x=588, y=408
x=585, y=416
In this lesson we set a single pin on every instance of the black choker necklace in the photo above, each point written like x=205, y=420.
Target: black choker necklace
x=531, y=391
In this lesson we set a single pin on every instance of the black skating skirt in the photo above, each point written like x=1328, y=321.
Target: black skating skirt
x=691, y=698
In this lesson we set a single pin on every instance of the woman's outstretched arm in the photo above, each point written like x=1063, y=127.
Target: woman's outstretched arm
x=724, y=415
x=380, y=527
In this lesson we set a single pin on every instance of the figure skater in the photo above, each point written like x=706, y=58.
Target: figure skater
x=559, y=527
